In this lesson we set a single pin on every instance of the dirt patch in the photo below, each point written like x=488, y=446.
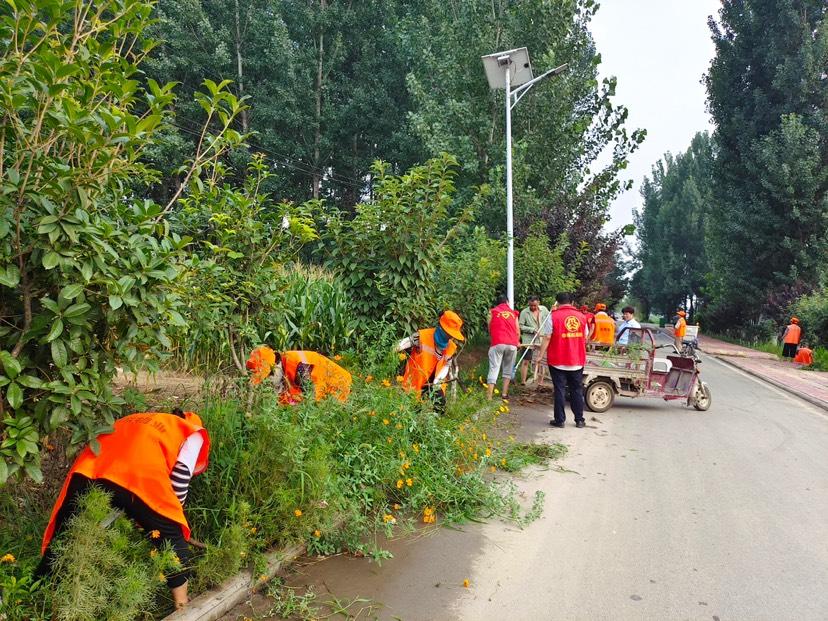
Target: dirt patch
x=163, y=388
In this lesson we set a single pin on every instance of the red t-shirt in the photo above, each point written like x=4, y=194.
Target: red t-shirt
x=568, y=345
x=503, y=325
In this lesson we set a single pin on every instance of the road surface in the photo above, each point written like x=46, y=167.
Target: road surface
x=673, y=514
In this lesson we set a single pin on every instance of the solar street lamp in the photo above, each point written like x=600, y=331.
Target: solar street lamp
x=513, y=71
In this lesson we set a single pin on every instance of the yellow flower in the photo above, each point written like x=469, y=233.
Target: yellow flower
x=385, y=421
x=8, y=558
x=337, y=357
x=398, y=425
x=389, y=519
x=263, y=578
x=466, y=583
x=401, y=454
x=386, y=383
x=155, y=534
x=406, y=466
x=317, y=534
x=389, y=440
x=372, y=413
x=496, y=391
x=503, y=462
x=409, y=482
x=416, y=448
x=504, y=409
x=297, y=512
x=400, y=379
x=485, y=437
x=396, y=507
x=253, y=530
x=401, y=356
x=429, y=516
x=399, y=483
x=488, y=452
x=162, y=578
x=475, y=457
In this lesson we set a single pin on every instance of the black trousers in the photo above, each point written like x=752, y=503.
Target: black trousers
x=574, y=380
x=789, y=350
x=135, y=509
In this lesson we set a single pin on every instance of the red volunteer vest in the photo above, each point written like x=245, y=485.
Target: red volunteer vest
x=568, y=344
x=503, y=326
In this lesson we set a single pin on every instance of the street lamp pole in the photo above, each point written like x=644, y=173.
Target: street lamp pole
x=517, y=72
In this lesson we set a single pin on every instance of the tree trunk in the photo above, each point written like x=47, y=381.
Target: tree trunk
x=239, y=72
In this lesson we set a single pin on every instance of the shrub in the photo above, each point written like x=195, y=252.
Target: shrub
x=539, y=267
x=812, y=311
x=85, y=265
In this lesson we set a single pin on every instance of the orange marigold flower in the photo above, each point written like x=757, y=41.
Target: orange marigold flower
x=386, y=383
x=162, y=578
x=406, y=466
x=399, y=483
x=398, y=425
x=317, y=534
x=372, y=413
x=396, y=507
x=155, y=534
x=466, y=583
x=488, y=452
x=400, y=379
x=389, y=519
x=297, y=512
x=503, y=462
x=409, y=482
x=401, y=356
x=369, y=379
x=385, y=421
x=8, y=558
x=337, y=357
x=416, y=448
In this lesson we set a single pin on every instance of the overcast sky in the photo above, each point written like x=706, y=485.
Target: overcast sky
x=658, y=50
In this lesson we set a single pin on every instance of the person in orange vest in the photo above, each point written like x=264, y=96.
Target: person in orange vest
x=431, y=352
x=603, y=328
x=791, y=338
x=297, y=373
x=680, y=329
x=566, y=357
x=145, y=464
x=804, y=355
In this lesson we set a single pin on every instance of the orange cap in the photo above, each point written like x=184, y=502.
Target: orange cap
x=681, y=313
x=261, y=362
x=794, y=319
x=451, y=323
x=600, y=307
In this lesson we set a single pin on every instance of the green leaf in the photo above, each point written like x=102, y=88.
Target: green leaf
x=59, y=353
x=10, y=276
x=34, y=472
x=30, y=381
x=70, y=292
x=115, y=302
x=86, y=271
x=50, y=260
x=4, y=471
x=59, y=416
x=10, y=364
x=56, y=331
x=14, y=394
x=77, y=310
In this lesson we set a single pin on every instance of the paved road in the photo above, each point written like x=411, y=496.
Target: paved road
x=673, y=514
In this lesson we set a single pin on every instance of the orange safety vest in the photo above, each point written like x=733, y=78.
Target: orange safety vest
x=681, y=328
x=793, y=334
x=139, y=455
x=328, y=378
x=604, y=329
x=804, y=356
x=425, y=362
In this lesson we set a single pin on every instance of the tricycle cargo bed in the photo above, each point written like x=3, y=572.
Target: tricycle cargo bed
x=615, y=365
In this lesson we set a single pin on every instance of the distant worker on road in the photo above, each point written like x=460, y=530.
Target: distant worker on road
x=430, y=355
x=296, y=374
x=804, y=355
x=145, y=464
x=603, y=329
x=791, y=338
x=566, y=357
x=503, y=335
x=680, y=329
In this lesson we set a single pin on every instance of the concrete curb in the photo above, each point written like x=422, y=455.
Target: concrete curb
x=213, y=604
x=805, y=397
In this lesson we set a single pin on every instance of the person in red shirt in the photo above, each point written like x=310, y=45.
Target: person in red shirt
x=804, y=355
x=566, y=357
x=503, y=331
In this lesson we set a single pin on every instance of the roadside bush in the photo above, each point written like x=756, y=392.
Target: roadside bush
x=812, y=311
x=539, y=267
x=85, y=264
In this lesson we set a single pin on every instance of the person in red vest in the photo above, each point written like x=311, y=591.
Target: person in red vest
x=145, y=464
x=589, y=316
x=503, y=332
x=566, y=357
x=804, y=355
x=791, y=338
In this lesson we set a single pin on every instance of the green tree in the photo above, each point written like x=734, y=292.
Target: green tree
x=767, y=94
x=85, y=265
x=671, y=229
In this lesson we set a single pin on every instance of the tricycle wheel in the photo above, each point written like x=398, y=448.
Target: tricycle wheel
x=702, y=399
x=599, y=396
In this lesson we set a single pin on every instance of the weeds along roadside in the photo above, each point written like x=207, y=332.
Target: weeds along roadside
x=329, y=474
